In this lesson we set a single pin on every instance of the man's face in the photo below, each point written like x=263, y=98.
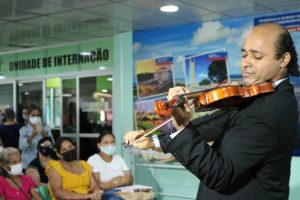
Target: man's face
x=259, y=62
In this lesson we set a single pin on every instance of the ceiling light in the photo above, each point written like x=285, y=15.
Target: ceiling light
x=169, y=8
x=85, y=53
x=2, y=76
x=104, y=90
x=99, y=94
x=102, y=68
x=110, y=79
x=20, y=84
x=67, y=95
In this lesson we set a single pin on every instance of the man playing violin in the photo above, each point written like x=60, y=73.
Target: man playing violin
x=251, y=154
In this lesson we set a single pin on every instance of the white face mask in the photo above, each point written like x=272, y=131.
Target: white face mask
x=16, y=169
x=34, y=120
x=108, y=149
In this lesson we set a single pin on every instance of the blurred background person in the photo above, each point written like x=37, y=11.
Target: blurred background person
x=110, y=170
x=14, y=185
x=25, y=115
x=68, y=177
x=1, y=117
x=31, y=134
x=1, y=146
x=9, y=130
x=36, y=168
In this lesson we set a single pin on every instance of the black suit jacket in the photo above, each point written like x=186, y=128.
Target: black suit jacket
x=252, y=153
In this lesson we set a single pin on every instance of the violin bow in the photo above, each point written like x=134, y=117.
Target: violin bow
x=157, y=127
x=152, y=130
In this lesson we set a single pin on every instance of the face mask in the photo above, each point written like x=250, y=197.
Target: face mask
x=1, y=118
x=108, y=149
x=25, y=116
x=46, y=151
x=34, y=120
x=70, y=155
x=15, y=169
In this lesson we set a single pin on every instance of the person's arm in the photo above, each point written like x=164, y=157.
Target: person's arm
x=95, y=188
x=244, y=146
x=25, y=139
x=49, y=133
x=55, y=182
x=106, y=185
x=118, y=181
x=30, y=171
x=127, y=178
x=35, y=194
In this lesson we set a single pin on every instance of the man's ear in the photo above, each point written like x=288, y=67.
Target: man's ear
x=285, y=59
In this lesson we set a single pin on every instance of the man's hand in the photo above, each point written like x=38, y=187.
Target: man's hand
x=182, y=114
x=145, y=143
x=131, y=138
x=132, y=135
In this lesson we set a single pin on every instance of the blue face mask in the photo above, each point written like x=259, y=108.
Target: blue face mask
x=1, y=118
x=108, y=149
x=25, y=116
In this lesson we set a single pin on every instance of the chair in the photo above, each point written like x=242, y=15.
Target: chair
x=44, y=192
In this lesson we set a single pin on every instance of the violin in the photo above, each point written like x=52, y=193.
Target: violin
x=220, y=97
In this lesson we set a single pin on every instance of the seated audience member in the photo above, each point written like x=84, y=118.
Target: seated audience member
x=9, y=130
x=68, y=177
x=110, y=169
x=31, y=134
x=36, y=168
x=14, y=185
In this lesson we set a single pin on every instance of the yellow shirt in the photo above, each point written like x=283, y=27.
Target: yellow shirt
x=70, y=181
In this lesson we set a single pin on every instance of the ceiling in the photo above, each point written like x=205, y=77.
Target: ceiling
x=28, y=24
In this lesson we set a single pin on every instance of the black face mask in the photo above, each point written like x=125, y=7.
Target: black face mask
x=46, y=151
x=70, y=155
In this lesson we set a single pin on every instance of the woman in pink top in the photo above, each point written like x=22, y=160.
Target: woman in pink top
x=14, y=185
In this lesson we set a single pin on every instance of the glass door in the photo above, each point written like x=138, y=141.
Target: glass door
x=86, y=110
x=95, y=111
x=7, y=97
x=30, y=93
x=52, y=110
x=69, y=114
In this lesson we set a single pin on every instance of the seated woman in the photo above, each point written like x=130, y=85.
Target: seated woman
x=110, y=170
x=68, y=177
x=14, y=185
x=36, y=168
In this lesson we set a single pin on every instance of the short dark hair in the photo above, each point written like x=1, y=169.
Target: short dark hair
x=9, y=113
x=285, y=44
x=104, y=133
x=34, y=107
x=44, y=139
